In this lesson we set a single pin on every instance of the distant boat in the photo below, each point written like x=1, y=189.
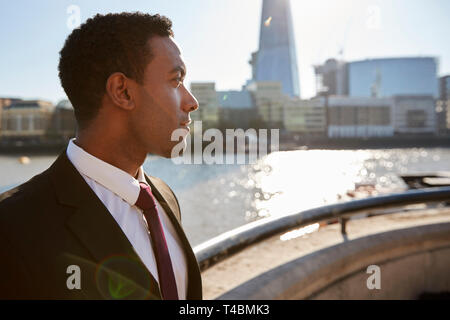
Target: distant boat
x=24, y=160
x=427, y=180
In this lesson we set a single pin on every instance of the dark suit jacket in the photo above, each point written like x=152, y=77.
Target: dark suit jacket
x=55, y=223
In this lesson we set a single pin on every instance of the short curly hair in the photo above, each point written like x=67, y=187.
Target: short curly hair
x=101, y=46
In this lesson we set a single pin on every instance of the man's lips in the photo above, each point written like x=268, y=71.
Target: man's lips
x=186, y=123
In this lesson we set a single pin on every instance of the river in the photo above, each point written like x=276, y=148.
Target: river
x=219, y=197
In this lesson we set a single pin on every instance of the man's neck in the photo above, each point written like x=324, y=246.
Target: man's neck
x=111, y=151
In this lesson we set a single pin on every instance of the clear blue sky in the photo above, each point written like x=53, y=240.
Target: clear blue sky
x=218, y=36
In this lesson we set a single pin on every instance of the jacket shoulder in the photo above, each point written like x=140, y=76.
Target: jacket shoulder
x=24, y=200
x=32, y=187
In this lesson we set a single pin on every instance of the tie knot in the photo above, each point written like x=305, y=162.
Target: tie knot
x=145, y=200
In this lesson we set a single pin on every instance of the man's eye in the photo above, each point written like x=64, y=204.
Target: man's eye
x=179, y=81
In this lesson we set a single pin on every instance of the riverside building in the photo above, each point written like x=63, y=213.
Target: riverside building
x=26, y=121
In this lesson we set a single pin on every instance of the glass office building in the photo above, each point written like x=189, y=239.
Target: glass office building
x=444, y=93
x=393, y=76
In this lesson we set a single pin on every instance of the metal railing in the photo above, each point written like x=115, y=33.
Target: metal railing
x=226, y=244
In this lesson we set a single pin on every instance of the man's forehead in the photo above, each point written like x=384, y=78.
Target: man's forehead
x=165, y=49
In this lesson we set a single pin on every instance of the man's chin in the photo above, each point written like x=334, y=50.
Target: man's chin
x=177, y=150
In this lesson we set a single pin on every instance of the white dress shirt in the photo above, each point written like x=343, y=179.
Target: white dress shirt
x=119, y=191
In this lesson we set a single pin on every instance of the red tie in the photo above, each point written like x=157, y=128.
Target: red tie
x=146, y=202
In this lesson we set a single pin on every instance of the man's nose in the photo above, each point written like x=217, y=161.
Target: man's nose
x=190, y=103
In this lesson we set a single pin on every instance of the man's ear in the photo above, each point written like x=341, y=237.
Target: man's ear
x=117, y=88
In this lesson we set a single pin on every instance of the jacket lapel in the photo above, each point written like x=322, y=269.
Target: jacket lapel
x=95, y=227
x=168, y=202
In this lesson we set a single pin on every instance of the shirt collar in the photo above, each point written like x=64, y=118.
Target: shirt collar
x=116, y=180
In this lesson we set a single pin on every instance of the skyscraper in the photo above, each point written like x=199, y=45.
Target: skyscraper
x=276, y=58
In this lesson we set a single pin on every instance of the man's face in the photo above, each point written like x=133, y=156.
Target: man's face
x=163, y=103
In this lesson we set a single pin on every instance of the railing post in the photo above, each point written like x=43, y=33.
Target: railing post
x=343, y=222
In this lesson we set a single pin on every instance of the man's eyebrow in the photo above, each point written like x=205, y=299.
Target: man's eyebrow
x=179, y=69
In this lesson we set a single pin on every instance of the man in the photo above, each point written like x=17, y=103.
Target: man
x=89, y=226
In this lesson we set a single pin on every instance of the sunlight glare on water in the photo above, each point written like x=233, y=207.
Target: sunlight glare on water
x=300, y=180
